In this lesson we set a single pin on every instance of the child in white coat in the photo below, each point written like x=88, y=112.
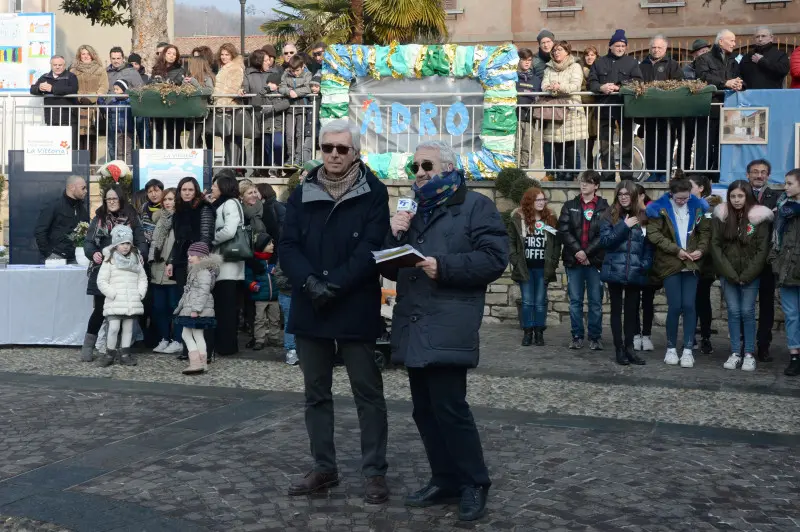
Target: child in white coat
x=123, y=281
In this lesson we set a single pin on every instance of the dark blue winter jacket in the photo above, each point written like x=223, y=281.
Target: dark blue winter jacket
x=629, y=255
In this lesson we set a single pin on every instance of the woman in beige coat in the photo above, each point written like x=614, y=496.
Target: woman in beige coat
x=92, y=79
x=229, y=82
x=563, y=78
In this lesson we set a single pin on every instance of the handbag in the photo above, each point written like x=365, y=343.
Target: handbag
x=555, y=113
x=220, y=122
x=245, y=125
x=240, y=247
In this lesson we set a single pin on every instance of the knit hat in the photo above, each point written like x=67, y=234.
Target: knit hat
x=699, y=44
x=262, y=240
x=545, y=34
x=270, y=50
x=274, y=77
x=135, y=58
x=316, y=79
x=619, y=36
x=121, y=84
x=121, y=234
x=199, y=249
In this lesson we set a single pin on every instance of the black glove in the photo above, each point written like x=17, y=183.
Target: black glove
x=321, y=292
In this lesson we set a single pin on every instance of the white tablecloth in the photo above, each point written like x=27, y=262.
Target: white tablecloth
x=47, y=306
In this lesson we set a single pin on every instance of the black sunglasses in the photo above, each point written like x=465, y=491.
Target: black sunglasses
x=426, y=165
x=341, y=150
x=289, y=53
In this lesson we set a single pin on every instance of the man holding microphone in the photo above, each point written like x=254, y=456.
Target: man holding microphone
x=437, y=317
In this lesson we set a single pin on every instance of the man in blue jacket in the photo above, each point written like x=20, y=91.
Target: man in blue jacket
x=335, y=219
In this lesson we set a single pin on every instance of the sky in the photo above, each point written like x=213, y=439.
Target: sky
x=232, y=5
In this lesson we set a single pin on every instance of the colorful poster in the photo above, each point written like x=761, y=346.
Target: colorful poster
x=48, y=148
x=27, y=41
x=170, y=166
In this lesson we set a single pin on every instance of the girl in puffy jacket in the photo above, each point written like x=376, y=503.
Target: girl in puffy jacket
x=195, y=310
x=123, y=282
x=625, y=266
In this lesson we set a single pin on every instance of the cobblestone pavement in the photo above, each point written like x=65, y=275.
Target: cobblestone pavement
x=196, y=458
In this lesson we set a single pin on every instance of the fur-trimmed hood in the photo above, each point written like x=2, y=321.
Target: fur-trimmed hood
x=757, y=214
x=653, y=209
x=213, y=262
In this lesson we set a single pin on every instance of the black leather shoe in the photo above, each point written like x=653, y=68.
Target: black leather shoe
x=762, y=355
x=431, y=495
x=633, y=358
x=538, y=336
x=473, y=503
x=793, y=369
x=314, y=482
x=375, y=490
x=527, y=337
x=622, y=357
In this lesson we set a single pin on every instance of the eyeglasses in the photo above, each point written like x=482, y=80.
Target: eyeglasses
x=341, y=150
x=540, y=200
x=426, y=165
x=624, y=195
x=289, y=53
x=680, y=200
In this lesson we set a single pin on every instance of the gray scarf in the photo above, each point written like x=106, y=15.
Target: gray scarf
x=129, y=263
x=160, y=234
x=338, y=187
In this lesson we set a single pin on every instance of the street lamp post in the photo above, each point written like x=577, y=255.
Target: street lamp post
x=242, y=3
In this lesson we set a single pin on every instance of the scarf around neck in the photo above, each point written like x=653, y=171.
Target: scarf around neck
x=342, y=185
x=160, y=233
x=787, y=209
x=129, y=262
x=438, y=190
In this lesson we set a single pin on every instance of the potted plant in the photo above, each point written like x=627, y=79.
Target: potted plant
x=78, y=237
x=3, y=257
x=165, y=100
x=667, y=99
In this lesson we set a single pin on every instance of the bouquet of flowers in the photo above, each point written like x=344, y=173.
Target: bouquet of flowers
x=3, y=253
x=78, y=235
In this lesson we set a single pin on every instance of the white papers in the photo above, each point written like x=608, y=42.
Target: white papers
x=404, y=256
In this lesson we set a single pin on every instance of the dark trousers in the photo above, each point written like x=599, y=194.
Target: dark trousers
x=648, y=296
x=447, y=428
x=607, y=127
x=226, y=336
x=624, y=301
x=564, y=155
x=658, y=142
x=766, y=307
x=707, y=150
x=702, y=303
x=316, y=360
x=96, y=319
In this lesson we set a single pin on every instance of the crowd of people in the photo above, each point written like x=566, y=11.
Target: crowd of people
x=562, y=137
x=682, y=242
x=283, y=120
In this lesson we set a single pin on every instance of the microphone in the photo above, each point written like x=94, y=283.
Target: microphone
x=405, y=205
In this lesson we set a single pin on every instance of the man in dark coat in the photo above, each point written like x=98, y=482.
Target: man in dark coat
x=546, y=40
x=335, y=219
x=579, y=228
x=55, y=85
x=765, y=66
x=607, y=75
x=699, y=47
x=719, y=68
x=437, y=317
x=758, y=172
x=660, y=134
x=58, y=219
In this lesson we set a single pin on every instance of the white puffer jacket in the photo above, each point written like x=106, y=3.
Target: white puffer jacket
x=124, y=289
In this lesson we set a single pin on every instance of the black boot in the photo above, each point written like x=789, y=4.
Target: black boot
x=622, y=357
x=632, y=357
x=527, y=337
x=126, y=358
x=793, y=370
x=538, y=336
x=762, y=355
x=107, y=359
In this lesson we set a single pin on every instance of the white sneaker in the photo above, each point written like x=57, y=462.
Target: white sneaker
x=687, y=359
x=637, y=342
x=173, y=347
x=672, y=357
x=733, y=361
x=291, y=357
x=749, y=363
x=647, y=344
x=162, y=345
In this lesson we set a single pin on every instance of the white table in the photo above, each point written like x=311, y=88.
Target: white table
x=43, y=306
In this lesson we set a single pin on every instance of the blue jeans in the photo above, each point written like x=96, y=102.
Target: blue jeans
x=587, y=277
x=681, y=290
x=534, y=299
x=741, y=303
x=790, y=301
x=285, y=301
x=165, y=299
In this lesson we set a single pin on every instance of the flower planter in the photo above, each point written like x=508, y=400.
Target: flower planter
x=658, y=103
x=80, y=257
x=152, y=104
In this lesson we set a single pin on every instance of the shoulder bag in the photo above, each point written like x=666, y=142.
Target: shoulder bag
x=240, y=247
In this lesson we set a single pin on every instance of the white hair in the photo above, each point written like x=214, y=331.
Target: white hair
x=765, y=28
x=659, y=37
x=446, y=153
x=721, y=35
x=342, y=126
